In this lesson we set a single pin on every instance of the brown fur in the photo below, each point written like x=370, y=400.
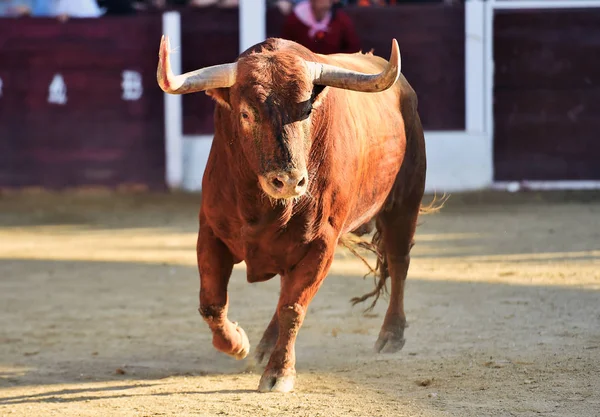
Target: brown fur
x=365, y=158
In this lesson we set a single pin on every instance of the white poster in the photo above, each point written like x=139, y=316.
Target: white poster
x=132, y=85
x=57, y=91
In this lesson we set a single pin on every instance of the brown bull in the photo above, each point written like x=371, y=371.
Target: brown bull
x=307, y=148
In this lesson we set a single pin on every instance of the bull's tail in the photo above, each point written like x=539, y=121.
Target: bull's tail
x=380, y=272
x=435, y=205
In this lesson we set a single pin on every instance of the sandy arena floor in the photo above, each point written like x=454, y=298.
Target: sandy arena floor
x=98, y=299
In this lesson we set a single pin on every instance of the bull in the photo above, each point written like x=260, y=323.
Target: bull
x=307, y=149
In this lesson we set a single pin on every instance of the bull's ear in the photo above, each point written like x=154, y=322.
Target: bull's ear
x=318, y=94
x=220, y=95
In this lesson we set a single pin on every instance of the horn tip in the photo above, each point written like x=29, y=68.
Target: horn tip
x=164, y=45
x=395, y=55
x=164, y=74
x=395, y=47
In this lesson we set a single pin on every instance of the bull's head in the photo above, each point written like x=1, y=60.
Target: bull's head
x=270, y=96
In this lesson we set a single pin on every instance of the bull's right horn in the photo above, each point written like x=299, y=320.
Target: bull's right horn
x=334, y=76
x=218, y=76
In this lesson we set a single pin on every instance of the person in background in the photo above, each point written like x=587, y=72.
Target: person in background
x=286, y=6
x=322, y=27
x=15, y=8
x=62, y=9
x=118, y=7
x=367, y=3
x=131, y=7
x=219, y=3
x=76, y=8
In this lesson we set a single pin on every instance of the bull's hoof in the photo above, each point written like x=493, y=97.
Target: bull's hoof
x=232, y=341
x=389, y=342
x=245, y=348
x=272, y=383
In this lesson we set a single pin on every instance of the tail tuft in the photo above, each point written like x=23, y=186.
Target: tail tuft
x=380, y=272
x=435, y=205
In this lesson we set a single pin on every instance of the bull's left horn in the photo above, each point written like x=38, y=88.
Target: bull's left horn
x=218, y=76
x=333, y=76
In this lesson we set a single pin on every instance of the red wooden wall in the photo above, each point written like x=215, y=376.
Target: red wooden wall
x=547, y=95
x=96, y=137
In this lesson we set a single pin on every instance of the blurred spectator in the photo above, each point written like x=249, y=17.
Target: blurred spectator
x=367, y=3
x=42, y=8
x=321, y=27
x=130, y=7
x=76, y=8
x=118, y=7
x=15, y=8
x=286, y=6
x=62, y=9
x=219, y=3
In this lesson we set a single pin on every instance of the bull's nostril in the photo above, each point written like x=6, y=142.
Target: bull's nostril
x=277, y=183
x=302, y=182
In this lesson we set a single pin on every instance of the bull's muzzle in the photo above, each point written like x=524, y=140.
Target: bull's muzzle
x=284, y=184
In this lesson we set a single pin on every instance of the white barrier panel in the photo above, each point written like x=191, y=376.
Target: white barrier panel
x=253, y=23
x=173, y=109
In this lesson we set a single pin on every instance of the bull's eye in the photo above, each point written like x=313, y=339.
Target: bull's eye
x=244, y=115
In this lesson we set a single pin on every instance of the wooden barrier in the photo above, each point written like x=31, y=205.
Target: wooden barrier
x=547, y=95
x=79, y=103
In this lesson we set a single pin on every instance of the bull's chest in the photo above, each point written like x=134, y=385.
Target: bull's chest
x=268, y=250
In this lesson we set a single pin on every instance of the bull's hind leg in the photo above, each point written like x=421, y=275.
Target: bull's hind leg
x=268, y=340
x=215, y=264
x=397, y=226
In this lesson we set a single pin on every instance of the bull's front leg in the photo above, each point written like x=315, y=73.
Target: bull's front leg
x=215, y=263
x=298, y=287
